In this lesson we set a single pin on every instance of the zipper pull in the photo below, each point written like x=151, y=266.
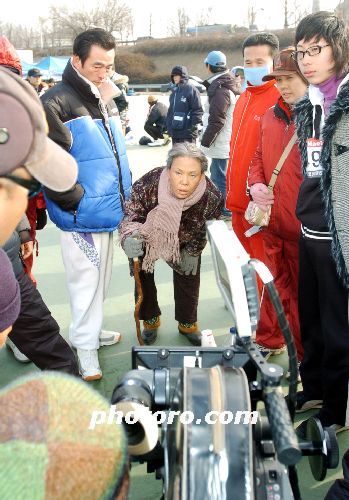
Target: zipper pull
x=74, y=216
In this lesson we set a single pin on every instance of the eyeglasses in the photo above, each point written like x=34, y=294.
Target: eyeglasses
x=33, y=186
x=298, y=55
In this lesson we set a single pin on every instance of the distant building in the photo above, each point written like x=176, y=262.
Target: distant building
x=209, y=29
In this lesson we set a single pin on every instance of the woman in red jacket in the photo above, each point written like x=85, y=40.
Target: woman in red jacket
x=282, y=234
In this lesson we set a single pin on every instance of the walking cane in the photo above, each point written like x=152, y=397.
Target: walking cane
x=139, y=299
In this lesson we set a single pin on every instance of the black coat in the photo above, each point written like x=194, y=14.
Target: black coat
x=334, y=154
x=69, y=99
x=185, y=111
x=157, y=115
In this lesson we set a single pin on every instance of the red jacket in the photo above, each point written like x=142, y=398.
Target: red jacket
x=9, y=56
x=249, y=108
x=277, y=129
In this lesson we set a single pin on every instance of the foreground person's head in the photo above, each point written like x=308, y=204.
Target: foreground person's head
x=28, y=158
x=187, y=165
x=48, y=446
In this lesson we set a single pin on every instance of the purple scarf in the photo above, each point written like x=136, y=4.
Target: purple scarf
x=329, y=90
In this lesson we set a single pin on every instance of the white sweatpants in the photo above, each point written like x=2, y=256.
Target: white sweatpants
x=87, y=259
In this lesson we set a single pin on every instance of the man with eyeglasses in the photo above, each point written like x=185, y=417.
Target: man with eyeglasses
x=27, y=159
x=83, y=119
x=322, y=54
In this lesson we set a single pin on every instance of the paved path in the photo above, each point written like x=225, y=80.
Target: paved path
x=115, y=360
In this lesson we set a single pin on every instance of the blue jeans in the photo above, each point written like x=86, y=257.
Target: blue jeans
x=218, y=170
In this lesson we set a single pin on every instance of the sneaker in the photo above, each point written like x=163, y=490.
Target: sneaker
x=158, y=142
x=268, y=351
x=22, y=358
x=304, y=404
x=288, y=374
x=88, y=364
x=190, y=331
x=150, y=330
x=301, y=430
x=167, y=139
x=109, y=338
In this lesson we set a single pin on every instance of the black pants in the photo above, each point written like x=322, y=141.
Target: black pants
x=154, y=131
x=36, y=333
x=323, y=316
x=186, y=296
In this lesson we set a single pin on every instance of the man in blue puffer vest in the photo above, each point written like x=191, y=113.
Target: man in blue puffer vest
x=185, y=111
x=83, y=119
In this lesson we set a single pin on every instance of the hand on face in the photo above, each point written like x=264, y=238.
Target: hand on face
x=27, y=249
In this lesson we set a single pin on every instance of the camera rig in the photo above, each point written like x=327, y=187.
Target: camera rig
x=249, y=450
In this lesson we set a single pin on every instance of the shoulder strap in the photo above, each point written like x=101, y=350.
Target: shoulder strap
x=280, y=163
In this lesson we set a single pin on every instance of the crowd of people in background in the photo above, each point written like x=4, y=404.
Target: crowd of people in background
x=272, y=132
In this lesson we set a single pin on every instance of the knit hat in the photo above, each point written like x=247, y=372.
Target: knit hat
x=48, y=448
x=152, y=99
x=10, y=299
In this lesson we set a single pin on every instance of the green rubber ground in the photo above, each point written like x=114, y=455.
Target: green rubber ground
x=115, y=360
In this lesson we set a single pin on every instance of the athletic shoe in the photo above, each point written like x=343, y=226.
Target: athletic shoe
x=190, y=331
x=304, y=404
x=167, y=139
x=267, y=351
x=301, y=430
x=88, y=364
x=22, y=358
x=150, y=330
x=158, y=142
x=109, y=338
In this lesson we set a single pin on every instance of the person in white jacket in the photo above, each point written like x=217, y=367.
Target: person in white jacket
x=218, y=119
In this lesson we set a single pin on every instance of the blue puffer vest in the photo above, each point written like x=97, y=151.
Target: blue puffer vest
x=101, y=208
x=80, y=122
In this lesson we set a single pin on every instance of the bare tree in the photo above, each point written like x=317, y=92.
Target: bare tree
x=251, y=13
x=112, y=15
x=285, y=14
x=183, y=21
x=294, y=12
x=204, y=17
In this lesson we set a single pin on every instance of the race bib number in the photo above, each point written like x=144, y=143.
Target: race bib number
x=314, y=168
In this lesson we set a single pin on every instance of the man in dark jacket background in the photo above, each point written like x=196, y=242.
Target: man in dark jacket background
x=185, y=112
x=218, y=119
x=155, y=124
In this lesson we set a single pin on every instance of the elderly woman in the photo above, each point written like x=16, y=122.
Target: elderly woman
x=165, y=219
